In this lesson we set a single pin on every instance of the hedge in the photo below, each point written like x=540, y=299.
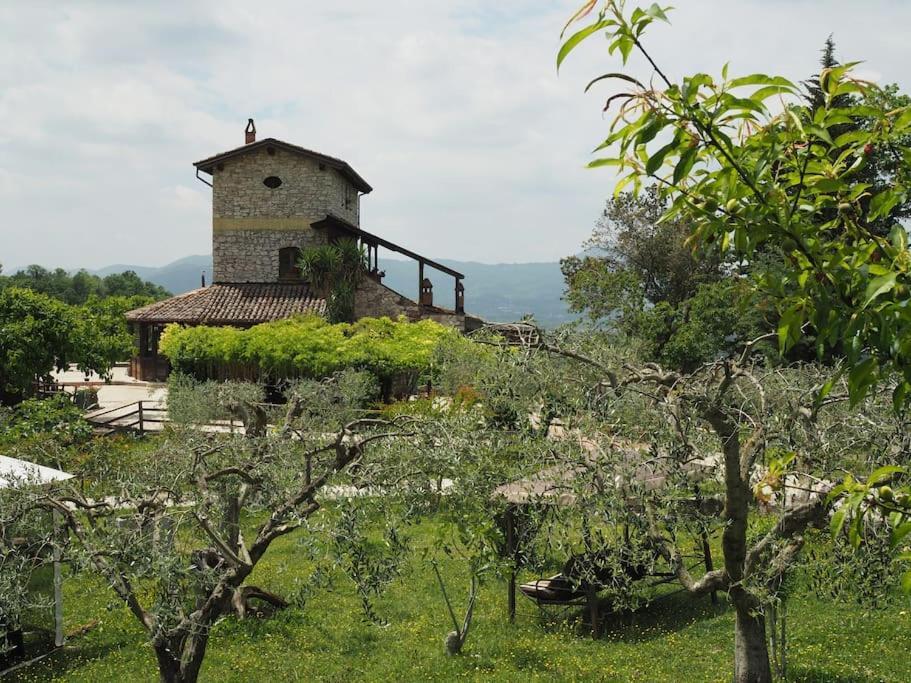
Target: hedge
x=305, y=347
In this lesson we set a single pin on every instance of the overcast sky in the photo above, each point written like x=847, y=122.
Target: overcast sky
x=451, y=109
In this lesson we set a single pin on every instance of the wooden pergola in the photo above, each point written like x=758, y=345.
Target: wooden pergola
x=559, y=486
x=335, y=226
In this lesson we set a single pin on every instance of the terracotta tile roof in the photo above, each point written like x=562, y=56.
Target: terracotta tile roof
x=207, y=165
x=232, y=304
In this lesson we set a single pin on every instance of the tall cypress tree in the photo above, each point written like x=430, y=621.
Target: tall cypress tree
x=816, y=98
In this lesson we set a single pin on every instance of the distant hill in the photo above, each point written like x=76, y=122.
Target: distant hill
x=497, y=292
x=501, y=292
x=180, y=276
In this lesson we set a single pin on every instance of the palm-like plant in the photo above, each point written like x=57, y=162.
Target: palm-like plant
x=335, y=271
x=319, y=266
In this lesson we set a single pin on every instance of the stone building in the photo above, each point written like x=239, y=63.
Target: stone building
x=270, y=199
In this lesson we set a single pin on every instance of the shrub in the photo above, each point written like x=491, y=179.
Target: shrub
x=395, y=352
x=56, y=417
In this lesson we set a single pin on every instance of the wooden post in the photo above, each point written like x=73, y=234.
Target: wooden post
x=707, y=556
x=511, y=553
x=420, y=279
x=141, y=431
x=58, y=584
x=459, y=296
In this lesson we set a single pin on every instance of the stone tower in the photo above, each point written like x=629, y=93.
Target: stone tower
x=266, y=195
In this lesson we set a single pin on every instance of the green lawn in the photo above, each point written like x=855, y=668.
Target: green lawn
x=676, y=639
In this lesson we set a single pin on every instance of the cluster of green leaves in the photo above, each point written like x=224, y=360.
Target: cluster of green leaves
x=57, y=417
x=39, y=333
x=335, y=271
x=81, y=286
x=870, y=502
x=753, y=168
x=308, y=347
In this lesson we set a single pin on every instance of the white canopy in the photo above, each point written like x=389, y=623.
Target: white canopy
x=15, y=472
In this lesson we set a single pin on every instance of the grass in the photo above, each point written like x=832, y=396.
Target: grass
x=675, y=639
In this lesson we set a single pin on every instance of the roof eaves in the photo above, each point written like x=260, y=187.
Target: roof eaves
x=207, y=165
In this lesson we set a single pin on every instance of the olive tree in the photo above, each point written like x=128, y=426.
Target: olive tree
x=178, y=535
x=647, y=459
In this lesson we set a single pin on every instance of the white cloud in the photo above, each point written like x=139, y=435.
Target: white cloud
x=451, y=110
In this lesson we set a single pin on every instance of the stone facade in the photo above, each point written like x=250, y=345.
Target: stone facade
x=252, y=255
x=374, y=299
x=251, y=222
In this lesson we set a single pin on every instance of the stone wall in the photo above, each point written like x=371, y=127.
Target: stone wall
x=252, y=255
x=374, y=300
x=306, y=190
x=251, y=222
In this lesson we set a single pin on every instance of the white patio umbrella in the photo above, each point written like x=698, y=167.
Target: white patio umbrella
x=15, y=473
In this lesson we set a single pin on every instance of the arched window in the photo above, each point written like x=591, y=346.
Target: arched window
x=287, y=263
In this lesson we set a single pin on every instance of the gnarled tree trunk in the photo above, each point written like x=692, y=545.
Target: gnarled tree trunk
x=180, y=657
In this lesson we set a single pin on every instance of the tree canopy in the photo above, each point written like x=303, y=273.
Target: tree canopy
x=78, y=287
x=39, y=333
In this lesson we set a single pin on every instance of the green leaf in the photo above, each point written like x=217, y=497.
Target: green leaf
x=883, y=203
x=900, y=396
x=819, y=132
x=903, y=120
x=573, y=41
x=596, y=163
x=760, y=79
x=879, y=286
x=838, y=520
x=906, y=582
x=789, y=327
x=648, y=133
x=657, y=12
x=883, y=473
x=898, y=236
x=654, y=162
x=685, y=164
x=898, y=534
x=861, y=378
x=855, y=530
x=852, y=136
x=769, y=91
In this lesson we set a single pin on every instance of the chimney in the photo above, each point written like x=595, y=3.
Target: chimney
x=250, y=132
x=203, y=278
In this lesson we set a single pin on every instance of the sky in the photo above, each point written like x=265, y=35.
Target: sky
x=452, y=110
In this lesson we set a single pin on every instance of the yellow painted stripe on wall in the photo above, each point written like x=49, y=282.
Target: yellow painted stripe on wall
x=230, y=224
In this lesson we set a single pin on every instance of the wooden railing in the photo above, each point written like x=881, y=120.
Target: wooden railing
x=137, y=416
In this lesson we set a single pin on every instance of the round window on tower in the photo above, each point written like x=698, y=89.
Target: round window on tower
x=272, y=182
